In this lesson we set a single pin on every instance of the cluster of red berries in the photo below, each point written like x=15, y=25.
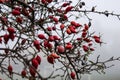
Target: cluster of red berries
x=6, y=36
x=48, y=42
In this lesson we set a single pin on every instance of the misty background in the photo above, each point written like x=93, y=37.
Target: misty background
x=109, y=27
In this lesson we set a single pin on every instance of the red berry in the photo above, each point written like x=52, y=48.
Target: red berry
x=69, y=8
x=25, y=12
x=79, y=39
x=23, y=73
x=12, y=37
x=23, y=41
x=84, y=34
x=90, y=44
x=86, y=27
x=19, y=19
x=18, y=8
x=51, y=38
x=72, y=75
x=46, y=43
x=15, y=12
x=50, y=46
x=11, y=30
x=4, y=19
x=41, y=36
x=51, y=17
x=92, y=49
x=77, y=25
x=87, y=40
x=36, y=43
x=73, y=23
x=38, y=47
x=85, y=48
x=54, y=55
x=44, y=1
x=54, y=28
x=49, y=28
x=59, y=10
x=55, y=19
x=95, y=36
x=38, y=58
x=50, y=59
x=6, y=38
x=97, y=40
x=32, y=71
x=65, y=4
x=60, y=49
x=62, y=26
x=65, y=17
x=35, y=63
x=68, y=31
x=68, y=46
x=72, y=29
x=10, y=69
x=56, y=37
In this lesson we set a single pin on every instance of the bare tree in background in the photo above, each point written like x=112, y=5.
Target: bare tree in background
x=30, y=28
